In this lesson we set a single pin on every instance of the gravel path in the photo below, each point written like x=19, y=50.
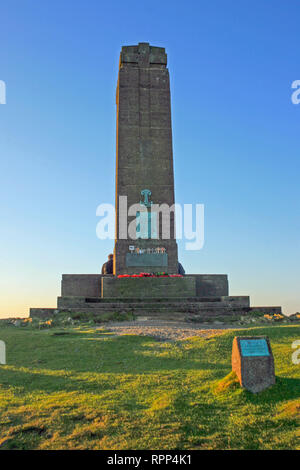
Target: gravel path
x=164, y=331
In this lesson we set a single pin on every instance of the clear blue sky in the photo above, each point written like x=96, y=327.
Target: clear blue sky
x=235, y=134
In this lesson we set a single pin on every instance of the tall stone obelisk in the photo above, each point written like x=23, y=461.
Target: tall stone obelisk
x=144, y=167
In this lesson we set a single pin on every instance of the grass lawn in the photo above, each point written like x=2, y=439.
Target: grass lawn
x=80, y=388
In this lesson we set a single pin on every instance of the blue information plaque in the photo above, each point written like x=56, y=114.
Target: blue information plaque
x=254, y=347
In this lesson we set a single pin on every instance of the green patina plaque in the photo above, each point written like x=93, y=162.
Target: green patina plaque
x=147, y=259
x=254, y=347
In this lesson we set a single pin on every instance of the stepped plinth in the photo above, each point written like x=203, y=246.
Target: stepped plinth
x=203, y=295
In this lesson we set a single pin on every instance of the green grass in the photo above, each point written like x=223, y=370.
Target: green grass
x=86, y=389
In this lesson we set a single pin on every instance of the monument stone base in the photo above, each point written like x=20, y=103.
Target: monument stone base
x=194, y=296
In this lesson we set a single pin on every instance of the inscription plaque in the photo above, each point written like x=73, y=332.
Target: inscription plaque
x=147, y=259
x=254, y=347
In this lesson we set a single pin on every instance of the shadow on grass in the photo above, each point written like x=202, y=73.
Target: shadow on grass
x=25, y=380
x=89, y=361
x=284, y=389
x=102, y=353
x=93, y=362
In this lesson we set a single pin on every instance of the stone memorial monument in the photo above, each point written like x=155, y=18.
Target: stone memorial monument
x=144, y=168
x=253, y=362
x=145, y=182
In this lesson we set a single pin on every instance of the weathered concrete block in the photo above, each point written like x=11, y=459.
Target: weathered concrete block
x=66, y=302
x=266, y=310
x=211, y=285
x=41, y=312
x=242, y=301
x=81, y=285
x=148, y=287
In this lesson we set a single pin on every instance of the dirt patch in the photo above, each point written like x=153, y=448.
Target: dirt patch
x=163, y=331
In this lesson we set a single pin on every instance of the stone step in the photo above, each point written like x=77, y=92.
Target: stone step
x=155, y=308
x=241, y=299
x=164, y=308
x=193, y=303
x=201, y=306
x=154, y=311
x=177, y=311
